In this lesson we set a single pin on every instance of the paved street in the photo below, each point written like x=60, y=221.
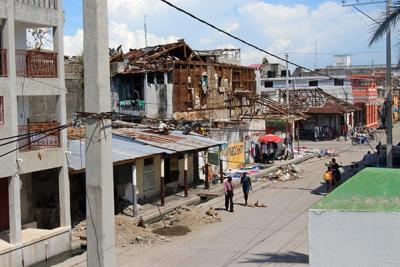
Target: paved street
x=272, y=236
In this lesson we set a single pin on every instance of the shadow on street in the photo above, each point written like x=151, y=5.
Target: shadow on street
x=286, y=257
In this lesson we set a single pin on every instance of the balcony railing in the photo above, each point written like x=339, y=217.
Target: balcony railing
x=3, y=62
x=41, y=135
x=52, y=4
x=36, y=64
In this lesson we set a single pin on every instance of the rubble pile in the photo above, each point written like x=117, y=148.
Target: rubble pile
x=285, y=173
x=127, y=234
x=191, y=215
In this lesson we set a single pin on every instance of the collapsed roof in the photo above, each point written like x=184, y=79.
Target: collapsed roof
x=315, y=100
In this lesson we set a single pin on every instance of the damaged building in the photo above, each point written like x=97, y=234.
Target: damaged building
x=173, y=81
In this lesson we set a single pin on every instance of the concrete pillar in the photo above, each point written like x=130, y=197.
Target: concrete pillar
x=99, y=167
x=134, y=190
x=63, y=179
x=206, y=178
x=185, y=175
x=14, y=200
x=162, y=183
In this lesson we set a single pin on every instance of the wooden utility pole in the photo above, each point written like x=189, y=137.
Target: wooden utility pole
x=99, y=167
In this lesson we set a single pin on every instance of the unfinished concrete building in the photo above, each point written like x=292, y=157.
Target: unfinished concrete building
x=34, y=185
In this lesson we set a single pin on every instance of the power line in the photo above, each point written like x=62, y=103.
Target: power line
x=32, y=133
x=29, y=135
x=18, y=148
x=365, y=14
x=55, y=87
x=240, y=39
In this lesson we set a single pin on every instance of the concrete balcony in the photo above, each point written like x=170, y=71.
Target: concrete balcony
x=36, y=64
x=37, y=12
x=3, y=62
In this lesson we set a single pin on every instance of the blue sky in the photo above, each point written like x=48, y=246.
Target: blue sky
x=278, y=26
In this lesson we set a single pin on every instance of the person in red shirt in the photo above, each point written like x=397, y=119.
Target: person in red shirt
x=228, y=190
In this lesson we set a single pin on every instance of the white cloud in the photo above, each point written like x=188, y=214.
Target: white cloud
x=278, y=28
x=73, y=45
x=232, y=27
x=119, y=33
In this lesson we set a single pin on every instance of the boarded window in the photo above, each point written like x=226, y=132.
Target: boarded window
x=1, y=110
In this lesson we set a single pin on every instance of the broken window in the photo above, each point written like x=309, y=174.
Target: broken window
x=268, y=84
x=160, y=78
x=271, y=74
x=170, y=77
x=313, y=83
x=204, y=82
x=150, y=78
x=338, y=82
x=1, y=110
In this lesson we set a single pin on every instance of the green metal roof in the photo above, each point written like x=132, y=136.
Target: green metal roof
x=372, y=189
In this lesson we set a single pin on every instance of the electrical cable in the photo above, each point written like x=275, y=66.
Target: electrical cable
x=27, y=135
x=41, y=138
x=241, y=40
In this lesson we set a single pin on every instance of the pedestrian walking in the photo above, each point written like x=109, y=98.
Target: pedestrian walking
x=245, y=181
x=228, y=189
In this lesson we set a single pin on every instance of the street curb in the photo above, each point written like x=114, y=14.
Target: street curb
x=155, y=215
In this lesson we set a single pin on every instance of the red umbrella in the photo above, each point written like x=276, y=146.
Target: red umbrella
x=270, y=138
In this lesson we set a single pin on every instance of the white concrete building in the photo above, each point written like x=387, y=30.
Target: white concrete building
x=357, y=225
x=273, y=79
x=34, y=185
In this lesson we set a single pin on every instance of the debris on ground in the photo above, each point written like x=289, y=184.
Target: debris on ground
x=185, y=215
x=129, y=210
x=127, y=234
x=285, y=173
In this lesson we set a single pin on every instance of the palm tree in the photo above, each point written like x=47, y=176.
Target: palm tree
x=386, y=23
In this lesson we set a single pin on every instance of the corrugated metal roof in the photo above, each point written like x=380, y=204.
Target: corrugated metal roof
x=175, y=141
x=122, y=149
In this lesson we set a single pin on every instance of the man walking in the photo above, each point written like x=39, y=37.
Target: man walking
x=246, y=186
x=228, y=189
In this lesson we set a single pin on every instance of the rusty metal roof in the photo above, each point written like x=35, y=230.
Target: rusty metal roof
x=175, y=141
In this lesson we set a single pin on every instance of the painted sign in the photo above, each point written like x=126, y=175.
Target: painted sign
x=235, y=155
x=149, y=181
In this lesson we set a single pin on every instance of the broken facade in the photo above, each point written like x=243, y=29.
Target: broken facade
x=173, y=81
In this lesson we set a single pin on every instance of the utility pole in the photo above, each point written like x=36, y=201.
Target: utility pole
x=389, y=87
x=389, y=116
x=287, y=96
x=99, y=168
x=145, y=30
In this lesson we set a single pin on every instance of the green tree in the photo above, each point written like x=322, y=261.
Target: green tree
x=386, y=23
